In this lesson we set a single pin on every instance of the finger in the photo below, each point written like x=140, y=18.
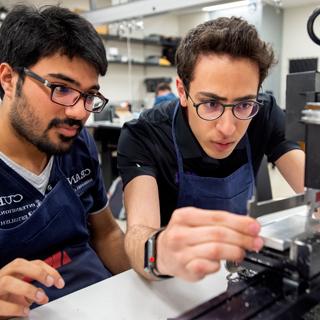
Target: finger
x=35, y=270
x=197, y=269
x=10, y=309
x=195, y=217
x=19, y=288
x=53, y=277
x=20, y=300
x=214, y=252
x=221, y=234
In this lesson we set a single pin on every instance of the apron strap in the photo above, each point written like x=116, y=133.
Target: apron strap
x=173, y=130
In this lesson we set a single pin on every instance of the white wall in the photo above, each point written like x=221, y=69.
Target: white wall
x=189, y=21
x=296, y=42
x=270, y=30
x=166, y=24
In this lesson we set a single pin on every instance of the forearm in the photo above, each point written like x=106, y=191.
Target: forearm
x=110, y=249
x=291, y=166
x=135, y=239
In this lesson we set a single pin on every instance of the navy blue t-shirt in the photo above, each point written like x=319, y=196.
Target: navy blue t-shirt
x=19, y=199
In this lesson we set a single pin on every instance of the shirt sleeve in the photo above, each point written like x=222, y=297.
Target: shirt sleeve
x=277, y=144
x=135, y=151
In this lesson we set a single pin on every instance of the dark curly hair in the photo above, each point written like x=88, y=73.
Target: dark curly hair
x=28, y=34
x=233, y=36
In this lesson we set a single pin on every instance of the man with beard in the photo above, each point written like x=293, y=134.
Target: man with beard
x=57, y=233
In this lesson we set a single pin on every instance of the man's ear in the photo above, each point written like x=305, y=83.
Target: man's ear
x=7, y=80
x=181, y=91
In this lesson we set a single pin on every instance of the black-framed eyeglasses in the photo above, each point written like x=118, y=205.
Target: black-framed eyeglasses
x=214, y=109
x=68, y=97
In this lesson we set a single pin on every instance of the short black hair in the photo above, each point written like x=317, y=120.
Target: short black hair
x=163, y=86
x=233, y=36
x=29, y=34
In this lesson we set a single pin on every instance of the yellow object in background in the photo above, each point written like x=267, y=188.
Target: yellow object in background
x=102, y=29
x=164, y=62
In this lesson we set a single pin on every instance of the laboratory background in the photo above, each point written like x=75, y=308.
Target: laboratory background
x=141, y=38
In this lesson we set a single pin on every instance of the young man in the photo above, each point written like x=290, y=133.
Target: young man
x=163, y=93
x=191, y=165
x=57, y=233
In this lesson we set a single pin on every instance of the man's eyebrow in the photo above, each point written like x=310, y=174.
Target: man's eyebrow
x=213, y=96
x=63, y=77
x=247, y=97
x=210, y=95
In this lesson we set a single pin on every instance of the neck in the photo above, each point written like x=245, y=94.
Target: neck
x=20, y=150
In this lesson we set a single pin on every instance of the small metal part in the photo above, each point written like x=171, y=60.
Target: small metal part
x=232, y=266
x=311, y=116
x=256, y=209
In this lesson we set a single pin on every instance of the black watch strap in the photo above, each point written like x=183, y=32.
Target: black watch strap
x=150, y=256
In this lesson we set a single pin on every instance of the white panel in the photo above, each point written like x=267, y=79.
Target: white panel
x=141, y=8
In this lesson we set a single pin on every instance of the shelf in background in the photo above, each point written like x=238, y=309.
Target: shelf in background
x=136, y=63
x=161, y=43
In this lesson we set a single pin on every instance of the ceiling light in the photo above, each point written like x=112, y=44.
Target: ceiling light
x=3, y=14
x=228, y=5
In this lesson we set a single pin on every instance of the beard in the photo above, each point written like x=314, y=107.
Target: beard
x=26, y=124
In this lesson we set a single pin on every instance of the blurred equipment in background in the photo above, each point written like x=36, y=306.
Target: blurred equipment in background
x=302, y=87
x=169, y=47
x=105, y=115
x=151, y=83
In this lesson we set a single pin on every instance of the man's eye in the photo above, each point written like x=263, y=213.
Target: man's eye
x=62, y=90
x=245, y=105
x=212, y=104
x=90, y=99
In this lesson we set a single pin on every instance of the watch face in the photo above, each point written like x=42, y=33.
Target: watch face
x=149, y=254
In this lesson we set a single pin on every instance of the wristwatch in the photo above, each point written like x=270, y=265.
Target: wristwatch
x=150, y=256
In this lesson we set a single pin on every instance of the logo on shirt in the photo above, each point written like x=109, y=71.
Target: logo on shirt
x=74, y=179
x=12, y=215
x=10, y=199
x=80, y=180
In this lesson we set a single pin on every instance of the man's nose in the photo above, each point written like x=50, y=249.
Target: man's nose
x=226, y=124
x=77, y=112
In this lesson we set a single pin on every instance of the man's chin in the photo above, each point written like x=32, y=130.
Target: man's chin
x=64, y=146
x=219, y=155
x=56, y=148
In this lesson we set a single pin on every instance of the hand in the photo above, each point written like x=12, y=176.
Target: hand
x=196, y=240
x=16, y=295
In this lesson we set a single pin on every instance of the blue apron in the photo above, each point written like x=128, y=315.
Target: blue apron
x=58, y=227
x=230, y=193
